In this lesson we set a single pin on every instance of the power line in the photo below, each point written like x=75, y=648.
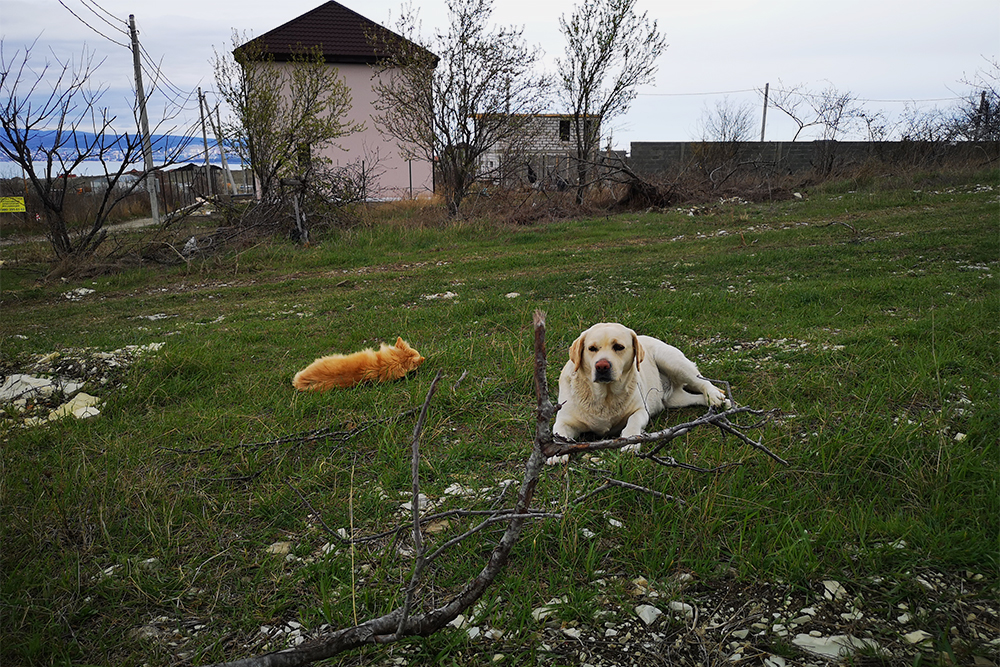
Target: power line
x=80, y=19
x=721, y=92
x=801, y=94
x=109, y=23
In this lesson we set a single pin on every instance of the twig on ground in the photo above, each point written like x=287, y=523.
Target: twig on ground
x=402, y=622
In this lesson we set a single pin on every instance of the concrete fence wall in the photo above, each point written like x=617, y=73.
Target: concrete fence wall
x=649, y=157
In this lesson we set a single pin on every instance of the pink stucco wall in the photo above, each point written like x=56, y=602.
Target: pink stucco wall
x=393, y=172
x=394, y=176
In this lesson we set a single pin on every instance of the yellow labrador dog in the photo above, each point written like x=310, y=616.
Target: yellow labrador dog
x=616, y=380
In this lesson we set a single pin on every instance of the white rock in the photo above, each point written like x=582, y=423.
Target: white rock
x=78, y=293
x=279, y=548
x=572, y=633
x=682, y=608
x=422, y=503
x=917, y=637
x=458, y=622
x=741, y=634
x=25, y=386
x=774, y=661
x=648, y=613
x=836, y=646
x=833, y=590
x=543, y=612
x=86, y=413
x=78, y=403
x=474, y=632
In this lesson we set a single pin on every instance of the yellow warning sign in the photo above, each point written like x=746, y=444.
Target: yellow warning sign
x=12, y=205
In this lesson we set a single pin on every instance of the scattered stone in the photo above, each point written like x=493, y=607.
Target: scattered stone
x=833, y=590
x=917, y=637
x=78, y=293
x=80, y=406
x=682, y=608
x=279, y=548
x=541, y=613
x=648, y=613
x=836, y=646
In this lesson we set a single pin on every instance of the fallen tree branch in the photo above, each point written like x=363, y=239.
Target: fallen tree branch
x=403, y=622
x=560, y=446
x=398, y=623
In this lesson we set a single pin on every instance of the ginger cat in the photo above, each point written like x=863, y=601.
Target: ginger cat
x=347, y=370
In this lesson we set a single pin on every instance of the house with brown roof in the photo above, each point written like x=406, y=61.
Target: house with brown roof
x=354, y=44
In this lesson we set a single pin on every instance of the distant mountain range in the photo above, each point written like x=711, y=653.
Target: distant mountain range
x=192, y=149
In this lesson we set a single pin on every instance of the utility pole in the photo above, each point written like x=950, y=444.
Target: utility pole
x=147, y=145
x=204, y=138
x=763, y=122
x=217, y=128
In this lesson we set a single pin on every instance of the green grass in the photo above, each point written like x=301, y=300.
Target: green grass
x=876, y=339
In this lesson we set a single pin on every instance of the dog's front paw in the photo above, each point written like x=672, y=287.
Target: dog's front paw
x=717, y=398
x=557, y=460
x=632, y=449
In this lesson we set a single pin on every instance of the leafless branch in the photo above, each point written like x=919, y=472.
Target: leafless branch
x=403, y=622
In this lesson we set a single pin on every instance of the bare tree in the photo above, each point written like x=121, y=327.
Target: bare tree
x=53, y=124
x=283, y=113
x=611, y=50
x=477, y=95
x=728, y=122
x=831, y=110
x=977, y=117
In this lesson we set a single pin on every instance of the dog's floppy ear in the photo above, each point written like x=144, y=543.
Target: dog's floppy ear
x=639, y=352
x=576, y=352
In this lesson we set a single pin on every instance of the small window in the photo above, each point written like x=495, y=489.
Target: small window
x=564, y=130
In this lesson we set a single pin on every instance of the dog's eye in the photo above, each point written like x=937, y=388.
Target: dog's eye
x=592, y=348
x=617, y=347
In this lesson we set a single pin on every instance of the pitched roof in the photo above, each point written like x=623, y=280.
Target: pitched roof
x=343, y=35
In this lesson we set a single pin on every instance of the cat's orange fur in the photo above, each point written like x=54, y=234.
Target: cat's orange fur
x=347, y=370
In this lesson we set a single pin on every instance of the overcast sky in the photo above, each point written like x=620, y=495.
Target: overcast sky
x=890, y=52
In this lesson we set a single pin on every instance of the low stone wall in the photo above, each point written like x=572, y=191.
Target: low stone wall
x=652, y=157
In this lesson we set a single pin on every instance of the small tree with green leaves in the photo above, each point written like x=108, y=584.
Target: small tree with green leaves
x=283, y=114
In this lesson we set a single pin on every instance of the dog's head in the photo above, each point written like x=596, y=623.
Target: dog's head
x=606, y=351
